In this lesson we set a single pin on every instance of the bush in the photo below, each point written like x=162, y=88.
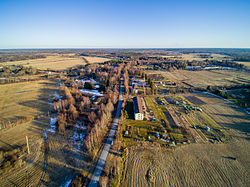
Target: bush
x=61, y=123
x=7, y=164
x=88, y=85
x=220, y=93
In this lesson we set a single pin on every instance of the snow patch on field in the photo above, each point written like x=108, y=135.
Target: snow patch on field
x=52, y=128
x=56, y=95
x=78, y=136
x=92, y=92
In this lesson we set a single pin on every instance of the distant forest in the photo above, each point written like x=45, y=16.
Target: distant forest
x=236, y=54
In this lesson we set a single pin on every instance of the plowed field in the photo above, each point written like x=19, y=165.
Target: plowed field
x=190, y=165
x=196, y=164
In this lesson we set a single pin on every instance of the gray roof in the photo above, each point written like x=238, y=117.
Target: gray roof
x=137, y=105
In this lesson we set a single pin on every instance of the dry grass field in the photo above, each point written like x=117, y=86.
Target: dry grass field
x=25, y=99
x=92, y=60
x=57, y=61
x=196, y=164
x=247, y=64
x=226, y=114
x=62, y=162
x=204, y=78
x=196, y=56
x=52, y=61
x=190, y=165
x=21, y=100
x=28, y=169
x=63, y=159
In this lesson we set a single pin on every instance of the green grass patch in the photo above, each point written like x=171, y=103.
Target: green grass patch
x=129, y=109
x=157, y=109
x=139, y=131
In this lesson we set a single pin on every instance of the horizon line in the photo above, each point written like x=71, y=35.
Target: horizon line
x=125, y=48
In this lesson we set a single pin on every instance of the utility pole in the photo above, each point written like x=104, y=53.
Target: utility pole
x=27, y=140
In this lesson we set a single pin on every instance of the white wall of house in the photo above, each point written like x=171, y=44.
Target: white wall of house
x=139, y=116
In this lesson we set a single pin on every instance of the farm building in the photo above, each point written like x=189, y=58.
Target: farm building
x=138, y=112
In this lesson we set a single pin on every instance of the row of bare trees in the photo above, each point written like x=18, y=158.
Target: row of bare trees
x=101, y=119
x=126, y=80
x=100, y=124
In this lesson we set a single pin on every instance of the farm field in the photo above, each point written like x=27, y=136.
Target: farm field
x=247, y=64
x=197, y=164
x=226, y=114
x=185, y=125
x=25, y=99
x=180, y=125
x=52, y=61
x=21, y=100
x=92, y=60
x=196, y=56
x=57, y=61
x=203, y=79
x=28, y=168
x=63, y=160
x=189, y=165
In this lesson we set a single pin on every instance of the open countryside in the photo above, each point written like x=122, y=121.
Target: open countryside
x=124, y=93
x=123, y=121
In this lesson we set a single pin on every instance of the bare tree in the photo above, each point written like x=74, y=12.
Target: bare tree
x=92, y=117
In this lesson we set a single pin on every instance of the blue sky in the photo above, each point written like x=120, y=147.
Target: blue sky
x=124, y=24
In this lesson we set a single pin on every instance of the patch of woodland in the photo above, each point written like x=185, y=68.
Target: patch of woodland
x=17, y=70
x=94, y=112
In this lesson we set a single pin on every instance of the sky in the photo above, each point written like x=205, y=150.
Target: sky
x=124, y=24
